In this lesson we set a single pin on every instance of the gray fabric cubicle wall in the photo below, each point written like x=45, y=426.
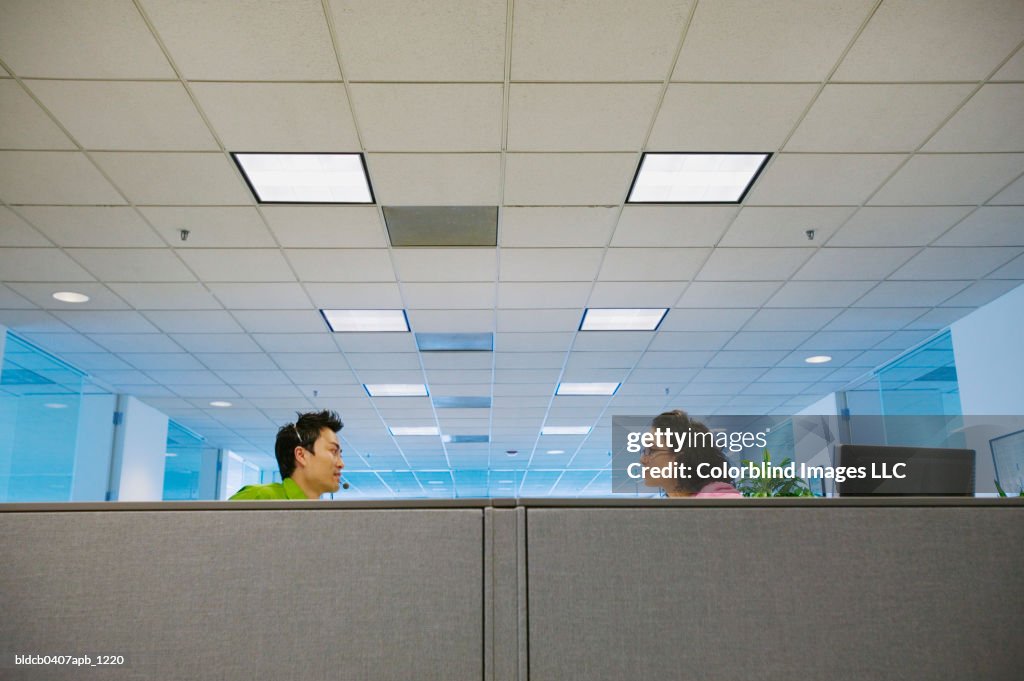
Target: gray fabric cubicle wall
x=842, y=593
x=255, y=594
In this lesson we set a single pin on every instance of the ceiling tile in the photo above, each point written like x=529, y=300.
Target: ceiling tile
x=435, y=179
x=955, y=263
x=235, y=361
x=246, y=41
x=26, y=125
x=774, y=227
x=897, y=226
x=96, y=321
x=610, y=40
x=728, y=117
x=342, y=265
x=216, y=342
x=830, y=264
x=123, y=344
x=988, y=226
x=556, y=226
x=269, y=117
x=672, y=226
x=446, y=40
x=167, y=296
x=767, y=340
x=605, y=341
x=280, y=321
x=981, y=293
x=325, y=227
x=92, y=226
x=356, y=296
x=33, y=321
x=436, y=117
x=580, y=117
x=79, y=40
x=789, y=40
x=9, y=300
x=705, y=319
x=635, y=294
x=550, y=264
x=53, y=177
x=785, y=319
x=528, y=321
x=193, y=321
x=941, y=40
x=1013, y=194
x=875, y=118
x=451, y=321
x=237, y=265
x=745, y=294
x=210, y=227
x=439, y=296
x=295, y=342
x=651, y=264
x=950, y=179
x=822, y=179
x=132, y=264
x=376, y=342
x=530, y=295
x=125, y=114
x=568, y=179
x=535, y=342
x=939, y=318
x=67, y=344
x=911, y=293
x=750, y=264
x=39, y=264
x=175, y=178
x=445, y=264
x=748, y=358
x=162, y=361
x=844, y=340
x=985, y=123
x=875, y=319
x=16, y=232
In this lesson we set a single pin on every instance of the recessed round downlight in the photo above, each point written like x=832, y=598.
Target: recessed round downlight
x=71, y=297
x=818, y=359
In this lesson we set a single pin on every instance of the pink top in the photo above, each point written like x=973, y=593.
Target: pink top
x=718, y=489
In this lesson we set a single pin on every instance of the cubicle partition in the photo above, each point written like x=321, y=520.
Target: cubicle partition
x=499, y=589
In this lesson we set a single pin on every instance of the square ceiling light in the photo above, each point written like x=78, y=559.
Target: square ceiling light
x=344, y=321
x=565, y=430
x=622, y=319
x=455, y=342
x=695, y=178
x=306, y=178
x=587, y=388
x=414, y=430
x=395, y=389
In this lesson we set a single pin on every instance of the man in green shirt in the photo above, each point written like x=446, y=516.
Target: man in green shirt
x=309, y=457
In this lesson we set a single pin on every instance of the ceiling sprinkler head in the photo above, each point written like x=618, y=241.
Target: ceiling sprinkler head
x=184, y=234
x=810, y=234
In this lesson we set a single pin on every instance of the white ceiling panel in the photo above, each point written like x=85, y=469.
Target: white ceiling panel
x=295, y=342
x=528, y=321
x=844, y=340
x=53, y=177
x=210, y=227
x=216, y=342
x=550, y=264
x=95, y=226
x=911, y=293
x=745, y=294
x=898, y=226
x=822, y=179
x=676, y=359
x=281, y=321
x=580, y=117
x=988, y=226
x=747, y=358
x=167, y=296
x=939, y=40
x=125, y=115
x=438, y=296
x=446, y=264
x=539, y=227
x=176, y=179
x=450, y=360
x=705, y=319
x=568, y=179
x=451, y=321
x=791, y=40
x=9, y=300
x=981, y=293
x=775, y=227
x=606, y=341
x=985, y=123
x=246, y=40
x=126, y=343
x=635, y=294
x=590, y=360
x=193, y=321
x=651, y=264
x=376, y=342
x=26, y=125
x=510, y=341
x=231, y=361
x=133, y=264
x=100, y=297
x=527, y=295
x=949, y=179
x=77, y=350
x=40, y=264
x=955, y=263
x=767, y=340
x=805, y=294
x=875, y=118
x=326, y=227
x=875, y=319
x=690, y=340
x=938, y=318
x=290, y=117
x=728, y=117
x=751, y=264
x=611, y=40
x=435, y=179
x=341, y=264
x=447, y=40
x=16, y=232
x=101, y=321
x=30, y=321
x=1012, y=195
x=237, y=265
x=310, y=361
x=354, y=296
x=830, y=264
x=79, y=40
x=437, y=117
x=162, y=361
x=672, y=226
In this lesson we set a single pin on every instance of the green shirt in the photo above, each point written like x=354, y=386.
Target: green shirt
x=275, y=490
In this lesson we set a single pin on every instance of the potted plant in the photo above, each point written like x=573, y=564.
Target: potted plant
x=767, y=486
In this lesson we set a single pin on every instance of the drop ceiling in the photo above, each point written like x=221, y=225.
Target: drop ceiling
x=895, y=135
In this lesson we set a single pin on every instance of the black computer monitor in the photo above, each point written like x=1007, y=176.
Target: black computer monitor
x=927, y=472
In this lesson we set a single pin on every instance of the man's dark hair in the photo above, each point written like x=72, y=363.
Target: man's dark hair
x=679, y=421
x=302, y=433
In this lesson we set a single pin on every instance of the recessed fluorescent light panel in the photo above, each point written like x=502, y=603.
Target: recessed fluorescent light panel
x=622, y=319
x=465, y=439
x=355, y=321
x=395, y=389
x=413, y=430
x=468, y=402
x=586, y=388
x=455, y=342
x=565, y=430
x=306, y=178
x=695, y=178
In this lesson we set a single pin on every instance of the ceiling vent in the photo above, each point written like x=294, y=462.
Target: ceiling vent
x=442, y=225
